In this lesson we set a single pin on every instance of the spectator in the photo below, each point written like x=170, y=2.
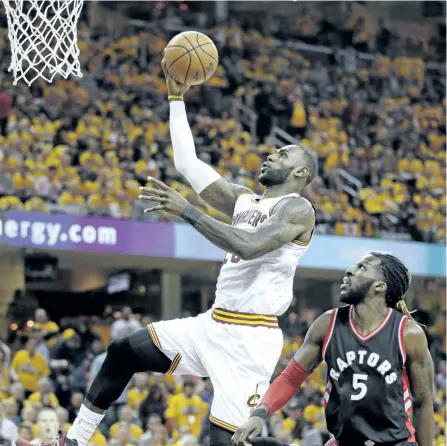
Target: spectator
x=125, y=325
x=44, y=394
x=42, y=348
x=95, y=349
x=80, y=377
x=30, y=366
x=441, y=375
x=151, y=424
x=154, y=404
x=17, y=395
x=137, y=394
x=160, y=436
x=67, y=347
x=47, y=425
x=75, y=404
x=28, y=415
x=294, y=422
x=10, y=408
x=6, y=354
x=62, y=417
x=49, y=328
x=5, y=379
x=125, y=422
x=186, y=409
x=88, y=337
x=8, y=430
x=48, y=187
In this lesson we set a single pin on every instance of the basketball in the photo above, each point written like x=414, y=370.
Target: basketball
x=191, y=58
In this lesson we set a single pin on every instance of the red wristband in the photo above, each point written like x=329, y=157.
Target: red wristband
x=283, y=389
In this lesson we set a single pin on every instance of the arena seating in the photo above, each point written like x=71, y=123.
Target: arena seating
x=85, y=146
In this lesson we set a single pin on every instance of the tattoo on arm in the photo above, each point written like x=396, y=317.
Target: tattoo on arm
x=419, y=363
x=287, y=223
x=422, y=376
x=222, y=195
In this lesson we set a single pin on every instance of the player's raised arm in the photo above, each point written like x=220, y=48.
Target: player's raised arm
x=292, y=218
x=284, y=388
x=214, y=189
x=421, y=374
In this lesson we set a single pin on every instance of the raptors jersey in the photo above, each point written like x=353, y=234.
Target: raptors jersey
x=263, y=285
x=367, y=400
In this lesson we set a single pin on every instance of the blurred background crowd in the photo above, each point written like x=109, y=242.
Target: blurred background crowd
x=46, y=369
x=364, y=90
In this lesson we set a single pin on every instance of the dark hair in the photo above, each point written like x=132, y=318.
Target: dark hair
x=311, y=162
x=398, y=279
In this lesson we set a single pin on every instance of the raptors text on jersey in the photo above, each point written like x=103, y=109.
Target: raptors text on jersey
x=367, y=396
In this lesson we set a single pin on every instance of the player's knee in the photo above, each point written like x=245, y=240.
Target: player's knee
x=137, y=353
x=119, y=350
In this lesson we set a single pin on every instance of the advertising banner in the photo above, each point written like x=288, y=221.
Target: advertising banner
x=181, y=241
x=86, y=234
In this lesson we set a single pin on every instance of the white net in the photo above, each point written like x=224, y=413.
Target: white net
x=43, y=37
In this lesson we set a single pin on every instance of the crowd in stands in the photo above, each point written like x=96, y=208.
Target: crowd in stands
x=46, y=369
x=87, y=145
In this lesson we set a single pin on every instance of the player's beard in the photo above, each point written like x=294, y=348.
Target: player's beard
x=355, y=295
x=275, y=177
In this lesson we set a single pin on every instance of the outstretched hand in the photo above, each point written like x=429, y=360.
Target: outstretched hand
x=174, y=88
x=167, y=198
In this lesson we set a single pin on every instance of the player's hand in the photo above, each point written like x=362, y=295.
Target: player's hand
x=168, y=199
x=174, y=88
x=248, y=431
x=332, y=442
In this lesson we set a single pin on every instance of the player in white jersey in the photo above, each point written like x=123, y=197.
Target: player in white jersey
x=238, y=342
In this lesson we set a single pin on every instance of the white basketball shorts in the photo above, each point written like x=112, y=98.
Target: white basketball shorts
x=237, y=351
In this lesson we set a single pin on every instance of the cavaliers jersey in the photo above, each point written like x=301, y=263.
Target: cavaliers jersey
x=263, y=285
x=367, y=399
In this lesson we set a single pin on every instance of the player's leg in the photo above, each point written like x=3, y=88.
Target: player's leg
x=125, y=357
x=162, y=347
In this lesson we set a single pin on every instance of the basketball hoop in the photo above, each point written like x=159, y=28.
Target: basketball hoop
x=43, y=37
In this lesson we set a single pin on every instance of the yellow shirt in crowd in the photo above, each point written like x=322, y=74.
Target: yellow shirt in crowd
x=98, y=439
x=176, y=409
x=36, y=397
x=135, y=398
x=49, y=327
x=29, y=368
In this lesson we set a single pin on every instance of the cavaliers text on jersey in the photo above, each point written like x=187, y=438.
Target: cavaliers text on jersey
x=263, y=285
x=367, y=399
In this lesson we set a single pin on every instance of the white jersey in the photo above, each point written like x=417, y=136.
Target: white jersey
x=263, y=285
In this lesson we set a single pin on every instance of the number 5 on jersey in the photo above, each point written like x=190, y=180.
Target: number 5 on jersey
x=359, y=386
